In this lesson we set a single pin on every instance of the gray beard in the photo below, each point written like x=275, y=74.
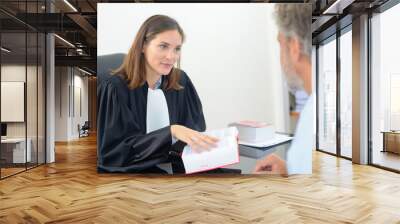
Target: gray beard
x=294, y=82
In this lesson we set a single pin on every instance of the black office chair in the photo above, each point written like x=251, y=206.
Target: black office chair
x=84, y=130
x=107, y=63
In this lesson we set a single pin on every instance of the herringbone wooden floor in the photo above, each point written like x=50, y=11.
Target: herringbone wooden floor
x=71, y=191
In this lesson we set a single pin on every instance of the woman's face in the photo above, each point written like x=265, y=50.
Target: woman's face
x=162, y=52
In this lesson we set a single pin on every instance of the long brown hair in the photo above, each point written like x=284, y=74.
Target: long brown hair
x=133, y=68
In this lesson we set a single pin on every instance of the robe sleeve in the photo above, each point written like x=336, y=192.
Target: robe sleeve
x=122, y=146
x=193, y=116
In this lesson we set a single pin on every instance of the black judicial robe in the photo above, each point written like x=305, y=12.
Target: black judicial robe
x=122, y=142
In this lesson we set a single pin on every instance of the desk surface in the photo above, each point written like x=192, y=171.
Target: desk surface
x=14, y=140
x=390, y=132
x=259, y=152
x=277, y=140
x=249, y=156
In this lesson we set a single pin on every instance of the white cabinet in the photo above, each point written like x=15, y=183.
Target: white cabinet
x=16, y=148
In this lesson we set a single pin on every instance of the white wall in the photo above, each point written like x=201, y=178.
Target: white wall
x=16, y=73
x=231, y=54
x=33, y=125
x=12, y=101
x=66, y=121
x=80, y=83
x=61, y=103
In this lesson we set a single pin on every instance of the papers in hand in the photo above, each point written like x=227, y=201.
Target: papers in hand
x=226, y=152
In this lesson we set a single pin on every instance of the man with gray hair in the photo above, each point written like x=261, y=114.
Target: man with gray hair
x=294, y=36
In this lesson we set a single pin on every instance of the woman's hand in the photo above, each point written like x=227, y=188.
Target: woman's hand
x=196, y=140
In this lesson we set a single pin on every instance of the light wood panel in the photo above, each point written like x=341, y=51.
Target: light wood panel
x=71, y=191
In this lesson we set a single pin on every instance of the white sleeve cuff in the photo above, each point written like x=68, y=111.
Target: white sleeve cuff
x=174, y=140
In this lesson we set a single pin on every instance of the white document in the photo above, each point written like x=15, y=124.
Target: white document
x=226, y=153
x=278, y=139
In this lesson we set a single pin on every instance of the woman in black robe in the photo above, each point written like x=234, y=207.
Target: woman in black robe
x=124, y=145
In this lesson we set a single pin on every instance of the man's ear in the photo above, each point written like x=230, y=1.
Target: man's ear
x=295, y=49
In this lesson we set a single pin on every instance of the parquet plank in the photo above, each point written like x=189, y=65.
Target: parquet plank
x=71, y=191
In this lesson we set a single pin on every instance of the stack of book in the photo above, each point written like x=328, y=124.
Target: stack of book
x=253, y=131
x=256, y=138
